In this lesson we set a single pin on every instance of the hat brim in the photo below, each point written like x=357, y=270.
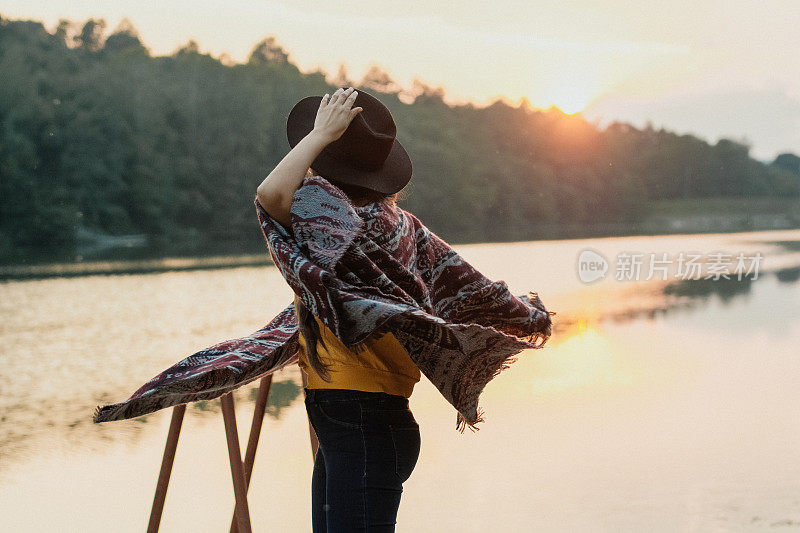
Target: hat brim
x=389, y=178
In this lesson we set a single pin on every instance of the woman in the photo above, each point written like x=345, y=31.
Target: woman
x=388, y=299
x=357, y=402
x=374, y=288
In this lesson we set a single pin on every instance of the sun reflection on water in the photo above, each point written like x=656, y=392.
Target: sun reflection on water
x=585, y=358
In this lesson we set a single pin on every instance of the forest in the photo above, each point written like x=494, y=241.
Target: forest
x=98, y=135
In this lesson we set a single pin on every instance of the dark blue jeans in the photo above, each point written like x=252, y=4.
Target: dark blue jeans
x=369, y=443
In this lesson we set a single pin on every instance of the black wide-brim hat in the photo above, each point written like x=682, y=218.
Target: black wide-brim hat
x=367, y=154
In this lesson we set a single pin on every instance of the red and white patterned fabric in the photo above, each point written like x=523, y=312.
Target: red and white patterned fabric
x=365, y=271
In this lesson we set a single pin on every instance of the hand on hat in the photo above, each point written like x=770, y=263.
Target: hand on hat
x=335, y=115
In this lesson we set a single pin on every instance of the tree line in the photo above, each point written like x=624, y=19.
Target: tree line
x=97, y=133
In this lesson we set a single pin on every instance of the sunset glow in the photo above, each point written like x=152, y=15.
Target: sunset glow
x=571, y=91
x=584, y=358
x=667, y=64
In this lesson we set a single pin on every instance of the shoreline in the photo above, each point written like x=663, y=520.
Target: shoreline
x=136, y=266
x=185, y=263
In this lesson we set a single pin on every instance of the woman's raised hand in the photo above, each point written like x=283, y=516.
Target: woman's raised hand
x=335, y=115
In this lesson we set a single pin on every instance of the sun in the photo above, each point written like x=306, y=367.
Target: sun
x=571, y=104
x=575, y=86
x=569, y=96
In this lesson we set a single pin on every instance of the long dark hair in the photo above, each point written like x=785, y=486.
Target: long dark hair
x=307, y=323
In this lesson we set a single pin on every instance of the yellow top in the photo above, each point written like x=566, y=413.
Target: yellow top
x=384, y=366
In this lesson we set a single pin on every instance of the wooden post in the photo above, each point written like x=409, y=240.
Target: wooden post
x=237, y=468
x=166, y=468
x=255, y=433
x=241, y=472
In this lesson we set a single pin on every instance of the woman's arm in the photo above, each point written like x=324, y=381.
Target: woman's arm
x=276, y=191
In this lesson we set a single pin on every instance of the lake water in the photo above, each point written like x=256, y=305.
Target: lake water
x=657, y=405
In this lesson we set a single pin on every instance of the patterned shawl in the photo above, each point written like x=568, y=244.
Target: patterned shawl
x=365, y=271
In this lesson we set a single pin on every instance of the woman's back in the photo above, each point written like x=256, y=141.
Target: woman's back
x=382, y=366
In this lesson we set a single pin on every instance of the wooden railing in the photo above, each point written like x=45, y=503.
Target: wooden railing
x=241, y=470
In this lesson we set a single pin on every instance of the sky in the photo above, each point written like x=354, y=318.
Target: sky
x=709, y=68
